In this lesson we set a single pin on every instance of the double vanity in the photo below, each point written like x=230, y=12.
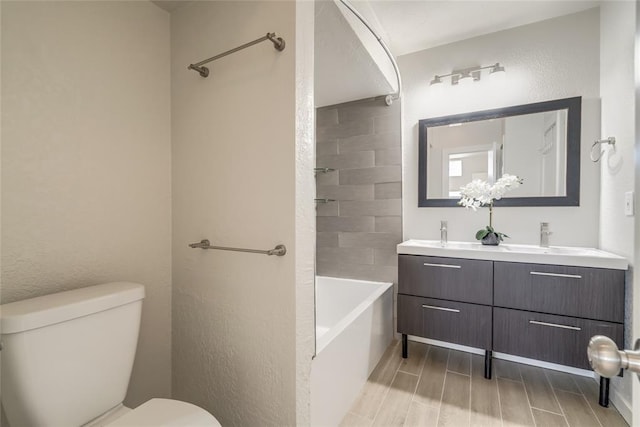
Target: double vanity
x=521, y=300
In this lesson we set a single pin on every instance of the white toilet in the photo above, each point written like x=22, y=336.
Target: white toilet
x=67, y=359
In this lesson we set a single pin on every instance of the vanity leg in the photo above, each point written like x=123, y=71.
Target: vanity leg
x=604, y=392
x=404, y=346
x=488, y=360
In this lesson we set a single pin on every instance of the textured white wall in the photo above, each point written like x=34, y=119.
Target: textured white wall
x=86, y=160
x=553, y=59
x=617, y=169
x=235, y=182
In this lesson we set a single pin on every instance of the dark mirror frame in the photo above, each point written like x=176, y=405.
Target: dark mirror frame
x=574, y=117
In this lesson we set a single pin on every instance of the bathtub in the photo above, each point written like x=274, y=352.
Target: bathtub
x=354, y=326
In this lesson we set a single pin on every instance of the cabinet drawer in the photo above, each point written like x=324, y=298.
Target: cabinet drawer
x=593, y=293
x=456, y=322
x=446, y=278
x=556, y=339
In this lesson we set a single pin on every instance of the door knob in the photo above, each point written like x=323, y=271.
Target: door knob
x=607, y=360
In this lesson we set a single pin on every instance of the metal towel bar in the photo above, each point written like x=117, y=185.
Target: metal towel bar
x=279, y=250
x=278, y=44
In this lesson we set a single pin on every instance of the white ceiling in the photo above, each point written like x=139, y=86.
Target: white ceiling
x=409, y=26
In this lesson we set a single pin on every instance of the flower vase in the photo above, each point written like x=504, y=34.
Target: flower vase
x=491, y=239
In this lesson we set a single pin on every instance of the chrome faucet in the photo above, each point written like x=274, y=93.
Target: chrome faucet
x=544, y=234
x=443, y=233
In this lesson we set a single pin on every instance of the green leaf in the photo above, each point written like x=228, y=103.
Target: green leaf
x=481, y=234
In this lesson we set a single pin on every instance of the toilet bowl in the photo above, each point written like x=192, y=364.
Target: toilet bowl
x=157, y=413
x=67, y=359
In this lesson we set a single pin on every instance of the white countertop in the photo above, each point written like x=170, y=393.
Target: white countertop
x=558, y=255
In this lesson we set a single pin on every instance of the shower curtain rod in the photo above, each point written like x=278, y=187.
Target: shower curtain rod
x=278, y=44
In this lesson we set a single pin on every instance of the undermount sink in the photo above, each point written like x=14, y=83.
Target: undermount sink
x=560, y=255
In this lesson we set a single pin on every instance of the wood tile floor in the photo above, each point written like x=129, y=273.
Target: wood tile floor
x=436, y=386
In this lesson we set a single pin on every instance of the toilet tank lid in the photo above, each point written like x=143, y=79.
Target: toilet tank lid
x=50, y=309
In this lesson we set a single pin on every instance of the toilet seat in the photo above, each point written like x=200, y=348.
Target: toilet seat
x=166, y=413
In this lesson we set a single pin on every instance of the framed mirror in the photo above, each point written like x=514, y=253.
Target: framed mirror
x=538, y=142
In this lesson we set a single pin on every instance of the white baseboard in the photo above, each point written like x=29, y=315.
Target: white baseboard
x=622, y=405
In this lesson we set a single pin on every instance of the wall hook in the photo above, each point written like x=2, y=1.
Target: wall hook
x=611, y=141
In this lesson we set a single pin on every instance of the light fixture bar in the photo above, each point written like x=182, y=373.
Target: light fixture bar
x=472, y=73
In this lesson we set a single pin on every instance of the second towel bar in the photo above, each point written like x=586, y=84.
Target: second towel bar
x=279, y=250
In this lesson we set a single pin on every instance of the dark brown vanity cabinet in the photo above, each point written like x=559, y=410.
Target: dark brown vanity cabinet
x=537, y=311
x=549, y=312
x=445, y=299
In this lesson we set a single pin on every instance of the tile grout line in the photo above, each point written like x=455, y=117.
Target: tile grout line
x=590, y=407
x=526, y=393
x=553, y=389
x=395, y=374
x=444, y=384
x=499, y=401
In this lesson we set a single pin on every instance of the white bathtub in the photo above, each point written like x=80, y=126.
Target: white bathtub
x=354, y=326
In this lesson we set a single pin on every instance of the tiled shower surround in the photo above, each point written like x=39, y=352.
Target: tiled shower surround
x=359, y=231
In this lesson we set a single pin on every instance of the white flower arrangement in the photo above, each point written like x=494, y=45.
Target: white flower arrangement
x=480, y=193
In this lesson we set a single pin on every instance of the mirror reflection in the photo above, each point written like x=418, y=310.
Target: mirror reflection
x=537, y=142
x=532, y=146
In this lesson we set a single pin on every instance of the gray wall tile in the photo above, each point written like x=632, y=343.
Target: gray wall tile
x=379, y=141
x=357, y=236
x=388, y=190
x=338, y=223
x=345, y=130
x=327, y=148
x=388, y=224
x=384, y=124
x=365, y=110
x=327, y=209
x=387, y=257
x=388, y=157
x=360, y=159
x=345, y=256
x=326, y=116
x=326, y=239
x=327, y=178
x=388, y=207
x=368, y=240
x=370, y=175
x=345, y=192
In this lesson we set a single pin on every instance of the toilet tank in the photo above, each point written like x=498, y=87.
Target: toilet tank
x=67, y=357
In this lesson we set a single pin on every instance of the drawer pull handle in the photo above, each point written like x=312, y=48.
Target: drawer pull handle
x=555, y=325
x=442, y=265
x=569, y=276
x=433, y=307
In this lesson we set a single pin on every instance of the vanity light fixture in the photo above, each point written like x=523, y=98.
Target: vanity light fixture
x=467, y=75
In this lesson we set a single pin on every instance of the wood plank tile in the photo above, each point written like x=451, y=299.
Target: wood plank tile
x=429, y=391
x=547, y=419
x=459, y=362
x=576, y=410
x=354, y=420
x=375, y=390
x=514, y=405
x=421, y=415
x=454, y=410
x=485, y=408
x=506, y=369
x=562, y=381
x=607, y=416
x=538, y=389
x=395, y=406
x=414, y=363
